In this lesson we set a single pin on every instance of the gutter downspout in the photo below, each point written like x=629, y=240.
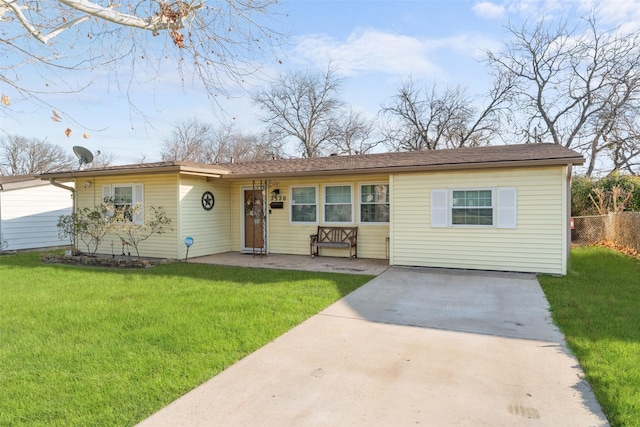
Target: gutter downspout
x=567, y=223
x=52, y=181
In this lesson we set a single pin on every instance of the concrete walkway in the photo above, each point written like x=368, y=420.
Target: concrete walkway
x=412, y=347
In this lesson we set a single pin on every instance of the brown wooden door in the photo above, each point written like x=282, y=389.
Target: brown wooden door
x=254, y=216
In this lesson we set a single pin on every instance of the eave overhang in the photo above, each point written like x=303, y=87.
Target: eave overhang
x=204, y=171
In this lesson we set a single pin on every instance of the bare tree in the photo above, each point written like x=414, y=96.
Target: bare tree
x=303, y=106
x=353, y=134
x=212, y=42
x=199, y=142
x=29, y=156
x=190, y=141
x=622, y=144
x=433, y=118
x=576, y=87
x=102, y=159
x=249, y=147
x=230, y=145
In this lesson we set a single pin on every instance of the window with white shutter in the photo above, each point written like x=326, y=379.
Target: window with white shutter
x=126, y=197
x=485, y=207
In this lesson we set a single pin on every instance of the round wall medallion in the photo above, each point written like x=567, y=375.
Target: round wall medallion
x=208, y=200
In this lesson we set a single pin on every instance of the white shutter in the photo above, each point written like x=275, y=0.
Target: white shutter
x=106, y=198
x=138, y=200
x=439, y=208
x=507, y=207
x=106, y=193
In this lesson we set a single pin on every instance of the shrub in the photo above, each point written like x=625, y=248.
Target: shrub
x=629, y=183
x=91, y=225
x=86, y=225
x=582, y=187
x=155, y=222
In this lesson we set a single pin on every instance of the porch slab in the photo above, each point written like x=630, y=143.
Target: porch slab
x=298, y=262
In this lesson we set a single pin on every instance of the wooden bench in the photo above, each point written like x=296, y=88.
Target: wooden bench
x=335, y=237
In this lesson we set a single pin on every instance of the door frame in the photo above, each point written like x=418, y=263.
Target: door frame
x=243, y=247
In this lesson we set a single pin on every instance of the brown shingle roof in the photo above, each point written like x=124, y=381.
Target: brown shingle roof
x=460, y=158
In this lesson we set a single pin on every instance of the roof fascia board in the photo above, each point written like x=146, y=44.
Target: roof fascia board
x=206, y=174
x=132, y=171
x=17, y=185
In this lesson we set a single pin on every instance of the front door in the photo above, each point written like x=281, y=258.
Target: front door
x=254, y=229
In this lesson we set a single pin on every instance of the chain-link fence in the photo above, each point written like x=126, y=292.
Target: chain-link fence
x=623, y=228
x=587, y=230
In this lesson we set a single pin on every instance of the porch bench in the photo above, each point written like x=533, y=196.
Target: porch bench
x=335, y=237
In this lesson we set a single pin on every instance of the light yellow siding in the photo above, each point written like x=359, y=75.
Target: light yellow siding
x=160, y=190
x=210, y=230
x=286, y=237
x=535, y=245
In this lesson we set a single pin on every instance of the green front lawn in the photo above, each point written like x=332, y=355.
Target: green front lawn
x=98, y=347
x=597, y=307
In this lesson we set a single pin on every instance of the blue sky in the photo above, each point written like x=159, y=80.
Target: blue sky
x=375, y=44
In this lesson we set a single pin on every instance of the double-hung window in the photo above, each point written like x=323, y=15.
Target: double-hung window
x=484, y=207
x=123, y=201
x=374, y=203
x=304, y=204
x=338, y=206
x=472, y=207
x=127, y=199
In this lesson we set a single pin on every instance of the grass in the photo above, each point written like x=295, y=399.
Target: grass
x=96, y=347
x=597, y=307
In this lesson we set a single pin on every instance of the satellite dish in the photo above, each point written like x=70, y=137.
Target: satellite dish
x=84, y=155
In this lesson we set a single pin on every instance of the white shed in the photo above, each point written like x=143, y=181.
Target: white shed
x=29, y=211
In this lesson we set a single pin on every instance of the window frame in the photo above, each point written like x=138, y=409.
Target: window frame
x=492, y=207
x=387, y=203
x=325, y=204
x=124, y=206
x=137, y=196
x=293, y=203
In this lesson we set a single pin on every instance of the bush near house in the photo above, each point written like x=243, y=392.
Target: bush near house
x=91, y=225
x=582, y=187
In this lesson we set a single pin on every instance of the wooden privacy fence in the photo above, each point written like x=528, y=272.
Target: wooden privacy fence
x=623, y=228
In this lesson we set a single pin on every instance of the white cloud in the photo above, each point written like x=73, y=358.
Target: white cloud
x=489, y=10
x=367, y=51
x=623, y=13
x=533, y=10
x=375, y=51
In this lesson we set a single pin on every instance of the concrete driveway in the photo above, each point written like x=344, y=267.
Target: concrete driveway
x=412, y=347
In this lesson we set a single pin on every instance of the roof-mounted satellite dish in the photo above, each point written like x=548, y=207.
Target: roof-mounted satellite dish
x=84, y=155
